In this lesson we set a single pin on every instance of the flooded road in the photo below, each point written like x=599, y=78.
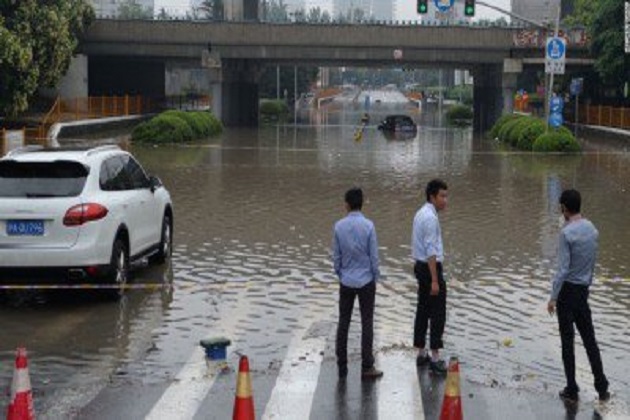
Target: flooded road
x=254, y=211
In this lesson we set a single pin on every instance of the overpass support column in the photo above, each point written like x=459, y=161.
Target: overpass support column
x=240, y=10
x=487, y=95
x=238, y=94
x=511, y=69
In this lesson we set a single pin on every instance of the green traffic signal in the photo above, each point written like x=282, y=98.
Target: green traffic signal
x=469, y=8
x=423, y=7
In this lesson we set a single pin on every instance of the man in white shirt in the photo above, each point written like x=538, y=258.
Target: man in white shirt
x=428, y=253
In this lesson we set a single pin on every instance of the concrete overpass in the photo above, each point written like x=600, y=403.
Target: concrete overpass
x=233, y=54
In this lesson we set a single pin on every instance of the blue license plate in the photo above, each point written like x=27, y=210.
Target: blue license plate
x=25, y=227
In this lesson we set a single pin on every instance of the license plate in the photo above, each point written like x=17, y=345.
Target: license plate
x=25, y=227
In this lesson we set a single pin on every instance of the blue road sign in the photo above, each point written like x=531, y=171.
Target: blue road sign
x=444, y=5
x=576, y=86
x=555, y=119
x=556, y=48
x=556, y=104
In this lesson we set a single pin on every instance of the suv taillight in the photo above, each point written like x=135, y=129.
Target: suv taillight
x=83, y=213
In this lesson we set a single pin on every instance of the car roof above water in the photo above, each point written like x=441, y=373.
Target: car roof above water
x=39, y=154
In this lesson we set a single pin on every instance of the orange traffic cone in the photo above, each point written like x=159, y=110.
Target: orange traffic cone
x=452, y=404
x=244, y=403
x=21, y=404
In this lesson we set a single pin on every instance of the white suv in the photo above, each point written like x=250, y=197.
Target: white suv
x=79, y=215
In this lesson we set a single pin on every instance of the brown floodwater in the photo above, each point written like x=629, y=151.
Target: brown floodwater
x=254, y=211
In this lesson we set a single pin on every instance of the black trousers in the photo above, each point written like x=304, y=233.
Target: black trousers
x=429, y=308
x=572, y=308
x=347, y=296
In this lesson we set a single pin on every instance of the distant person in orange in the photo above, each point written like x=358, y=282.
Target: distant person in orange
x=525, y=101
x=577, y=252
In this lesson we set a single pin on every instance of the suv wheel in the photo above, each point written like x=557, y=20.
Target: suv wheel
x=166, y=242
x=119, y=267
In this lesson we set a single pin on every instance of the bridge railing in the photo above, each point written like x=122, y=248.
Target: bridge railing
x=605, y=116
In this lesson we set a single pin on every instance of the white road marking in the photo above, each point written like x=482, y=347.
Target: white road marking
x=184, y=397
x=292, y=396
x=399, y=392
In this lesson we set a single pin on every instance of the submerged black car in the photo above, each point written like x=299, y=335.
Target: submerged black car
x=398, y=123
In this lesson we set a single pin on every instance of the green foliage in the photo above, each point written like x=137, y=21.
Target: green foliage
x=494, y=131
x=611, y=62
x=37, y=40
x=515, y=132
x=530, y=133
x=583, y=12
x=132, y=10
x=459, y=115
x=177, y=127
x=275, y=108
x=212, y=9
x=556, y=141
x=504, y=131
x=462, y=92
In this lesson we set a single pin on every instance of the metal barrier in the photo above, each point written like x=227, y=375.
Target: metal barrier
x=606, y=116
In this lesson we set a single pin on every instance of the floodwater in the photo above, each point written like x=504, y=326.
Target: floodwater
x=254, y=211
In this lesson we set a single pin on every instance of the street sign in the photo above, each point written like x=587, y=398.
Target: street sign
x=444, y=5
x=555, y=119
x=555, y=55
x=576, y=86
x=556, y=104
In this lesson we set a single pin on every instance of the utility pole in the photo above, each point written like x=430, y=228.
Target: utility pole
x=549, y=91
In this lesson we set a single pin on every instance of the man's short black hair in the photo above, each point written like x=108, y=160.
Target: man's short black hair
x=434, y=186
x=354, y=198
x=571, y=200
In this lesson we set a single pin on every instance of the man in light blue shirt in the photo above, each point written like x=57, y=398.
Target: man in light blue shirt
x=355, y=259
x=428, y=252
x=569, y=294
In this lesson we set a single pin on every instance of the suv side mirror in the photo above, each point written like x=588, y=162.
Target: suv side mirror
x=154, y=183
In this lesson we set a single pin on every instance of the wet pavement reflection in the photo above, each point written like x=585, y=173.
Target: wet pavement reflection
x=254, y=211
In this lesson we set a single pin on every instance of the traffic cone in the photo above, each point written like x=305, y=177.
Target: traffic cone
x=244, y=403
x=21, y=404
x=452, y=404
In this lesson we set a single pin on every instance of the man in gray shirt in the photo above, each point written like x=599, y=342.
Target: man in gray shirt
x=569, y=294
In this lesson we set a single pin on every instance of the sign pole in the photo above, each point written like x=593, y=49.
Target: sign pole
x=552, y=73
x=575, y=127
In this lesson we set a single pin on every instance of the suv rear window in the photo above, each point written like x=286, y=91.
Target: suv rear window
x=42, y=179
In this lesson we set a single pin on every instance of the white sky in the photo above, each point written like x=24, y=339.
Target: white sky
x=405, y=8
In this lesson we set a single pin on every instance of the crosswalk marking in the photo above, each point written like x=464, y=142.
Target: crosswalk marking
x=183, y=398
x=399, y=390
x=295, y=386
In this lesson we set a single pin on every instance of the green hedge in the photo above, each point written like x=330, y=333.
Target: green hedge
x=494, y=132
x=556, y=140
x=530, y=133
x=459, y=115
x=273, y=107
x=177, y=127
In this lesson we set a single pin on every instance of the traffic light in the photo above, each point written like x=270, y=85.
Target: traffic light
x=469, y=7
x=423, y=7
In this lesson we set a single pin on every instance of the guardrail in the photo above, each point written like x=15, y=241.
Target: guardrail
x=606, y=116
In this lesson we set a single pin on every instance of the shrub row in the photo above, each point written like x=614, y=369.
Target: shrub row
x=530, y=133
x=177, y=127
x=273, y=108
x=459, y=115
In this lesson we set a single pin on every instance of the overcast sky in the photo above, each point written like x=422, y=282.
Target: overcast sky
x=405, y=8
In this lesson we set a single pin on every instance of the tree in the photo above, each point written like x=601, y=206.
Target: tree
x=611, y=63
x=213, y=9
x=583, y=12
x=37, y=40
x=132, y=10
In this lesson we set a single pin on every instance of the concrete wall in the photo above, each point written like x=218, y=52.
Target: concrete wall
x=184, y=77
x=75, y=82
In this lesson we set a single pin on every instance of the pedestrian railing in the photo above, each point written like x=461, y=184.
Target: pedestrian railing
x=606, y=116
